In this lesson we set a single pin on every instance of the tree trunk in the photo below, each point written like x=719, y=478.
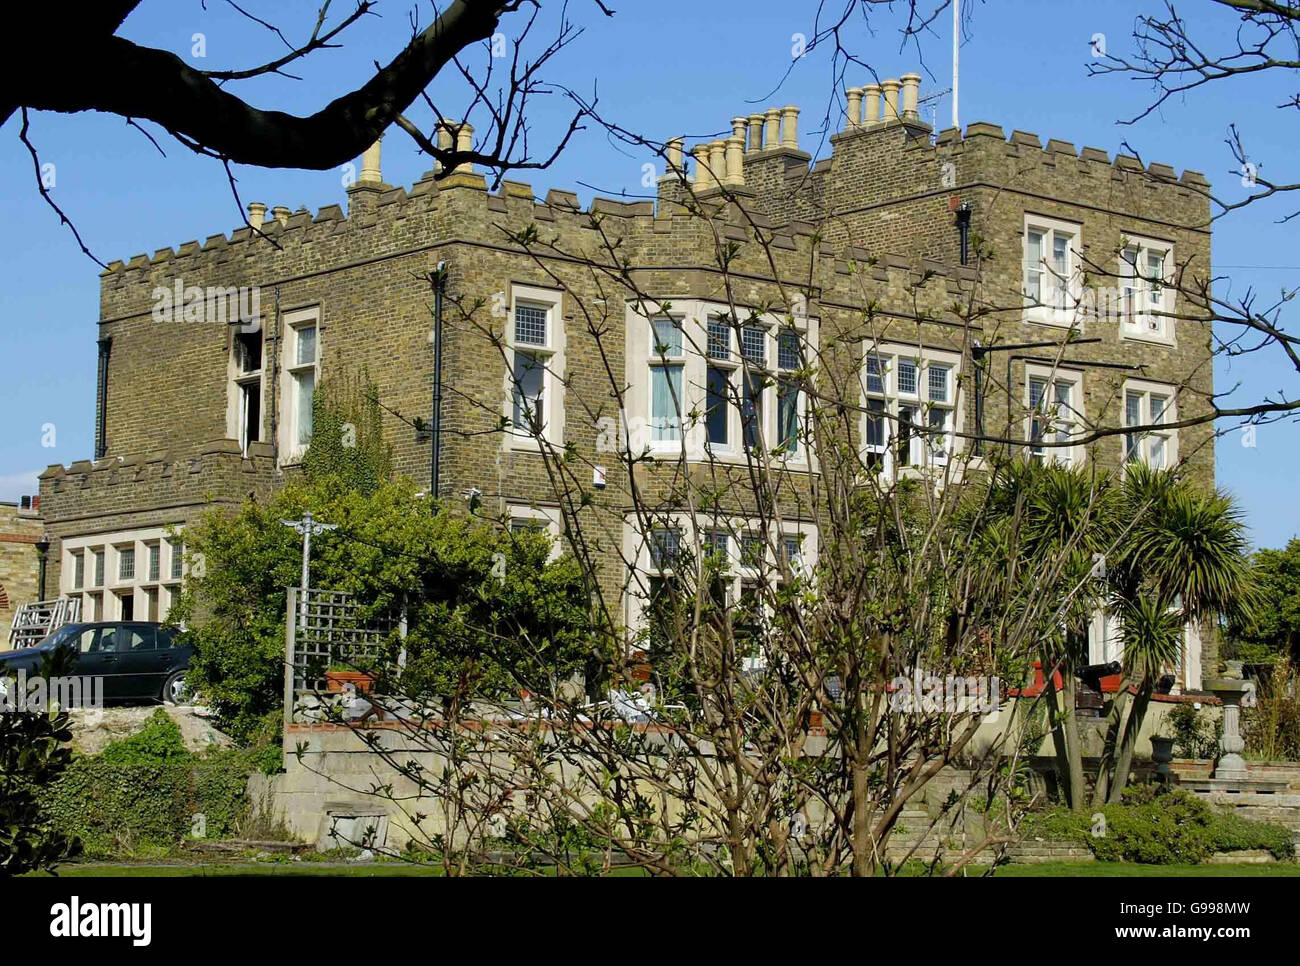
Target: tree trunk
x=1131, y=729
x=1106, y=770
x=862, y=851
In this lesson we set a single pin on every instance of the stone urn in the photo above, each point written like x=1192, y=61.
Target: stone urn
x=1162, y=753
x=1230, y=691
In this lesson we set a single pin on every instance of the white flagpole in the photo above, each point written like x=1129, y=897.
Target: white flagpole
x=956, y=41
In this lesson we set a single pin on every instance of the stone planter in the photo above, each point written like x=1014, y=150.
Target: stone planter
x=336, y=680
x=1162, y=753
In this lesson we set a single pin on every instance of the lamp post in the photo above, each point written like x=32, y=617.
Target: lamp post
x=42, y=552
x=308, y=527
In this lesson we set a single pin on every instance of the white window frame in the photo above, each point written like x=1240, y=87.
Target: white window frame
x=1060, y=426
x=552, y=357
x=1060, y=301
x=693, y=539
x=923, y=454
x=240, y=382
x=291, y=449
x=667, y=358
x=1145, y=298
x=1141, y=446
x=103, y=600
x=545, y=517
x=694, y=316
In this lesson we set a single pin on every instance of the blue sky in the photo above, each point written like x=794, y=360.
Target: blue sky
x=663, y=68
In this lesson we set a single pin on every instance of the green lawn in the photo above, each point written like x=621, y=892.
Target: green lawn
x=1135, y=870
x=372, y=869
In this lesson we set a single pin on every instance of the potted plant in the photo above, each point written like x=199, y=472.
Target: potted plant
x=340, y=675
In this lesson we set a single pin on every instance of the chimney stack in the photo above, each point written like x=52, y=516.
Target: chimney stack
x=256, y=213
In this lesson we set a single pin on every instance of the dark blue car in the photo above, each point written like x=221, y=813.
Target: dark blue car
x=136, y=659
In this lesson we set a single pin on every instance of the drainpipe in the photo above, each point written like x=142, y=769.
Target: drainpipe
x=42, y=553
x=963, y=229
x=435, y=456
x=101, y=402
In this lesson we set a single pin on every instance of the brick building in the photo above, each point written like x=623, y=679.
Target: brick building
x=909, y=265
x=20, y=532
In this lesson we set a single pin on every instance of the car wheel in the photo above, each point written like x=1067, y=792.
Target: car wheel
x=174, y=690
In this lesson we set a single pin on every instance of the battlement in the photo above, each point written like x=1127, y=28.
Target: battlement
x=170, y=464
x=1024, y=145
x=385, y=221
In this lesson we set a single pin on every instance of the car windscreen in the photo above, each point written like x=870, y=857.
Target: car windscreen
x=64, y=635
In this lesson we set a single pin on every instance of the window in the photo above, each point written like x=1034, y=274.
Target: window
x=707, y=385
x=303, y=375
x=177, y=559
x=534, y=374
x=665, y=548
x=788, y=409
x=126, y=563
x=1147, y=405
x=1145, y=294
x=741, y=578
x=910, y=407
x=531, y=327
x=116, y=575
x=720, y=378
x=300, y=359
x=667, y=364
x=1052, y=277
x=717, y=544
x=248, y=387
x=1055, y=407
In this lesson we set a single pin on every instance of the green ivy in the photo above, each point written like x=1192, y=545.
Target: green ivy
x=142, y=794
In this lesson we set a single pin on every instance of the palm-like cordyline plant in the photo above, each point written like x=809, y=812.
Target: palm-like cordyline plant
x=1182, y=557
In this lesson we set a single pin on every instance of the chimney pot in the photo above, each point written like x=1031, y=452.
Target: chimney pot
x=256, y=213
x=771, y=128
x=871, y=105
x=790, y=127
x=911, y=96
x=465, y=142
x=756, y=132
x=703, y=180
x=673, y=153
x=370, y=173
x=736, y=158
x=854, y=109
x=891, y=87
x=717, y=161
x=281, y=213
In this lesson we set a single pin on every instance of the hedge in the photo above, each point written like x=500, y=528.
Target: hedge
x=1159, y=827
